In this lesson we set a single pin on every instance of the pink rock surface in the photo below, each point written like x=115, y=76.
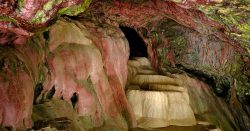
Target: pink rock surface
x=115, y=52
x=89, y=61
x=98, y=78
x=19, y=74
x=16, y=100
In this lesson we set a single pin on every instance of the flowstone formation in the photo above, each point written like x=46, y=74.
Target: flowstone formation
x=66, y=68
x=157, y=100
x=64, y=64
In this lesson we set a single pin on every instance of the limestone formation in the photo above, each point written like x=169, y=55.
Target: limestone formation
x=159, y=101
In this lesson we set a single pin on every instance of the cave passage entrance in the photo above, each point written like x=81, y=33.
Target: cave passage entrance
x=137, y=46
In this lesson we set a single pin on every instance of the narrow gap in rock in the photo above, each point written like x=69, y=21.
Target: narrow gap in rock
x=51, y=93
x=74, y=99
x=46, y=35
x=37, y=92
x=136, y=44
x=1, y=64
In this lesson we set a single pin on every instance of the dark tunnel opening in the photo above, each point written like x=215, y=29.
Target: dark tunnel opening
x=136, y=44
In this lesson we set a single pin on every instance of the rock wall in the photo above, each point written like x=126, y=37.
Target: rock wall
x=21, y=69
x=82, y=66
x=173, y=29
x=207, y=106
x=173, y=46
x=175, y=99
x=177, y=49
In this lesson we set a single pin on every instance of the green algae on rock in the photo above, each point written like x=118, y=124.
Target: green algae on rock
x=234, y=15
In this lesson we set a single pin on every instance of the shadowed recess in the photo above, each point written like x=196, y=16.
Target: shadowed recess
x=137, y=45
x=74, y=99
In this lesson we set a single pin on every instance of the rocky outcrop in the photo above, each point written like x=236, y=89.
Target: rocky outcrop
x=52, y=114
x=21, y=69
x=82, y=61
x=67, y=65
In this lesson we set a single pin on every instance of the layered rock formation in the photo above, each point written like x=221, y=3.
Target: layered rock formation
x=157, y=101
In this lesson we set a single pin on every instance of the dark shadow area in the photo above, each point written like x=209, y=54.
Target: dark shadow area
x=74, y=99
x=51, y=93
x=220, y=85
x=136, y=44
x=37, y=92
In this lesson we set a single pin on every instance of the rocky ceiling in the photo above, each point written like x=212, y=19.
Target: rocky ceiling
x=220, y=17
x=225, y=20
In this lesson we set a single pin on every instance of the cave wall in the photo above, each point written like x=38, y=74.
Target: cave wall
x=174, y=47
x=185, y=40
x=216, y=52
x=69, y=59
x=177, y=49
x=45, y=66
x=21, y=68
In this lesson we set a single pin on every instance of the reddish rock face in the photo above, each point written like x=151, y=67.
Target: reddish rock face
x=139, y=15
x=20, y=69
x=114, y=48
x=203, y=44
x=19, y=18
x=16, y=99
x=81, y=59
x=184, y=39
x=175, y=44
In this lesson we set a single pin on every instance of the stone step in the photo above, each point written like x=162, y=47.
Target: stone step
x=133, y=87
x=140, y=71
x=154, y=79
x=160, y=87
x=140, y=61
x=146, y=72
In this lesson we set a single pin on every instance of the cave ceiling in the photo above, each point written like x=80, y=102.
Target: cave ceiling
x=227, y=19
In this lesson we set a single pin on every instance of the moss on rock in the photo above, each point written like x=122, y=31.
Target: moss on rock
x=76, y=9
x=234, y=15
